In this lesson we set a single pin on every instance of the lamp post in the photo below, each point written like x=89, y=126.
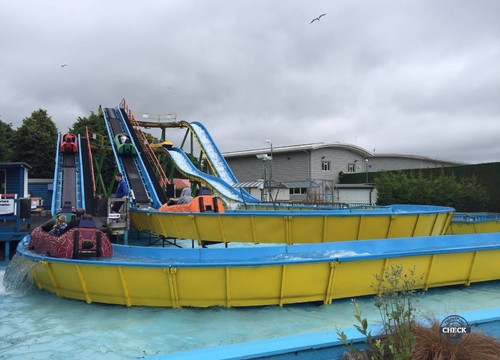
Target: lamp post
x=271, y=145
x=366, y=171
x=270, y=168
x=264, y=158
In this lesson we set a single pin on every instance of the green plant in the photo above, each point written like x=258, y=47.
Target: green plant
x=375, y=345
x=396, y=301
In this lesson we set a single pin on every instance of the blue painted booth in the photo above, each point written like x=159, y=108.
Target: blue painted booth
x=14, y=204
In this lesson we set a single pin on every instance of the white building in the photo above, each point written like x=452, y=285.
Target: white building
x=310, y=172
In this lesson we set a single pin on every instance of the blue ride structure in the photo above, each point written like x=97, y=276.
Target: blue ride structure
x=223, y=180
x=128, y=159
x=214, y=157
x=69, y=188
x=217, y=184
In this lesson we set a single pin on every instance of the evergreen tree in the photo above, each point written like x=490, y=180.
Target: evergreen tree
x=6, y=134
x=93, y=122
x=35, y=143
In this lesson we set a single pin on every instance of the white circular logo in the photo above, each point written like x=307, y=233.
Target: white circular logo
x=453, y=327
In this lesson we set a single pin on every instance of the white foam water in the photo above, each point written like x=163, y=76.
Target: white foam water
x=17, y=276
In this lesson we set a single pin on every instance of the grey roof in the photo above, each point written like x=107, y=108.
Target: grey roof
x=248, y=184
x=416, y=157
x=299, y=184
x=316, y=146
x=14, y=164
x=40, y=181
x=300, y=147
x=286, y=185
x=355, y=186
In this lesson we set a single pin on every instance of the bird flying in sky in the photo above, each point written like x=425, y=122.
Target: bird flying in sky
x=319, y=17
x=63, y=65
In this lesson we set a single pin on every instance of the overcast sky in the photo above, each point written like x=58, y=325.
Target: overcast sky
x=417, y=77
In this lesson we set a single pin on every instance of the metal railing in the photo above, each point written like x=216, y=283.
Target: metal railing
x=162, y=177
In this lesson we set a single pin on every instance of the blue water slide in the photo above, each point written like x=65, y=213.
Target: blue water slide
x=143, y=172
x=68, y=185
x=219, y=164
x=111, y=136
x=80, y=182
x=132, y=168
x=57, y=184
x=215, y=158
x=184, y=164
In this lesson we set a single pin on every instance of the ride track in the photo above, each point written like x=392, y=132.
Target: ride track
x=270, y=275
x=222, y=179
x=69, y=176
x=217, y=162
x=296, y=226
x=132, y=167
x=319, y=259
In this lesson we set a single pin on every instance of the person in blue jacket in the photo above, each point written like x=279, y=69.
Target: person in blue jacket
x=121, y=192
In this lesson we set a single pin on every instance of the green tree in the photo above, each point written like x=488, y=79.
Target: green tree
x=34, y=142
x=6, y=134
x=93, y=122
x=103, y=159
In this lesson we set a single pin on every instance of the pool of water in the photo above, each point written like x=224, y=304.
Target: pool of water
x=39, y=325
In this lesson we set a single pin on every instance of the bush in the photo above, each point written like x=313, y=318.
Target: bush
x=463, y=194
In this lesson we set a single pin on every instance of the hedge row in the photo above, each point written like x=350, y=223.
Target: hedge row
x=466, y=187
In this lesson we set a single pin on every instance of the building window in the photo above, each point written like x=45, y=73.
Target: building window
x=298, y=191
x=351, y=167
x=325, y=166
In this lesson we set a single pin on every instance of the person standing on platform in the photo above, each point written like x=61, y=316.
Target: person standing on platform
x=121, y=192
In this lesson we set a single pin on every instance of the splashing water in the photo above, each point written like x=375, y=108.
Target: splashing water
x=17, y=277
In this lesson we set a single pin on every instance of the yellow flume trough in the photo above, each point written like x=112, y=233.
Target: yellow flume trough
x=297, y=226
x=263, y=275
x=474, y=223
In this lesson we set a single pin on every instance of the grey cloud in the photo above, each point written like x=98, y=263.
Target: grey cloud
x=417, y=77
